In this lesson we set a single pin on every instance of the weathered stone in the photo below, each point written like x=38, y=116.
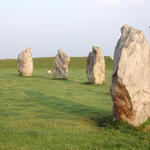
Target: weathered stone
x=130, y=88
x=62, y=61
x=95, y=67
x=25, y=63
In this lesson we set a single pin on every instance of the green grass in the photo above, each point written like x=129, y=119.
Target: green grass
x=39, y=113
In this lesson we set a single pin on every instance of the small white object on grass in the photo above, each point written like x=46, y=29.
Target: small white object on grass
x=111, y=57
x=49, y=71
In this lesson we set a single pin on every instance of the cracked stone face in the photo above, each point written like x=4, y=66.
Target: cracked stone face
x=25, y=63
x=62, y=61
x=95, y=67
x=130, y=87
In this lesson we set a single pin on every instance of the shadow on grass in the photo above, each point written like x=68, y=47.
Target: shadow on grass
x=103, y=121
x=49, y=77
x=19, y=76
x=33, y=76
x=123, y=127
x=42, y=77
x=92, y=84
x=62, y=79
x=15, y=75
x=102, y=117
x=87, y=83
x=70, y=107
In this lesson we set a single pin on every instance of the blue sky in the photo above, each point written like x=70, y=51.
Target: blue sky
x=72, y=25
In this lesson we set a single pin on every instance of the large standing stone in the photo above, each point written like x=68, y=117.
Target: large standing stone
x=25, y=63
x=61, y=65
x=130, y=88
x=95, y=67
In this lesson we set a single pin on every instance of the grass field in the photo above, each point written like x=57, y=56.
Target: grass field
x=39, y=113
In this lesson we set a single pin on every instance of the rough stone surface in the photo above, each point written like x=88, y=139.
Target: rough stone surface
x=62, y=61
x=96, y=66
x=130, y=88
x=25, y=63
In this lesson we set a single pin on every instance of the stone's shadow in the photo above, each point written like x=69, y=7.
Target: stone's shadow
x=32, y=77
x=107, y=122
x=104, y=120
x=57, y=79
x=87, y=83
x=50, y=78
x=70, y=107
x=42, y=77
x=15, y=75
x=66, y=79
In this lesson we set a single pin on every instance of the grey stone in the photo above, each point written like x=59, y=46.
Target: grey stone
x=130, y=87
x=62, y=61
x=95, y=67
x=25, y=63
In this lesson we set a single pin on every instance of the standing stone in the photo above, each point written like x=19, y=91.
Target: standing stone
x=130, y=88
x=95, y=67
x=25, y=63
x=62, y=61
